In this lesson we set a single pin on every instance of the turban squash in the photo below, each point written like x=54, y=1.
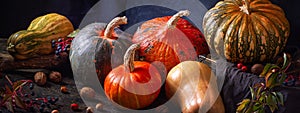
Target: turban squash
x=246, y=30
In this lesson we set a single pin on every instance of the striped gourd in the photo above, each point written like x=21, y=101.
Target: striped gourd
x=36, y=40
x=246, y=30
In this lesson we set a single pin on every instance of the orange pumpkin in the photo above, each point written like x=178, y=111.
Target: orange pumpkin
x=170, y=40
x=135, y=84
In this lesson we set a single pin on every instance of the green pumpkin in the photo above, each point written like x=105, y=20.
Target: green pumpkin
x=246, y=31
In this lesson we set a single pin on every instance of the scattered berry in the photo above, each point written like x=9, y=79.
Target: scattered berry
x=63, y=89
x=74, y=106
x=31, y=86
x=61, y=45
x=244, y=68
x=239, y=65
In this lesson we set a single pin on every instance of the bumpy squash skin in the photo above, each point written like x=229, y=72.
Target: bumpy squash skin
x=240, y=37
x=36, y=40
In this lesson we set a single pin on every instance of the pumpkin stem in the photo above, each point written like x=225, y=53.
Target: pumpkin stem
x=129, y=57
x=113, y=24
x=245, y=7
x=174, y=19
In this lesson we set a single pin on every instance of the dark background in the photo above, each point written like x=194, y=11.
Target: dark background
x=17, y=14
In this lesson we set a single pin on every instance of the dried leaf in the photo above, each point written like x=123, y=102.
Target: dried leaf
x=9, y=105
x=18, y=84
x=8, y=90
x=6, y=98
x=19, y=102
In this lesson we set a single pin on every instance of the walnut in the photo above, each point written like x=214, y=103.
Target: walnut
x=40, y=78
x=87, y=92
x=55, y=76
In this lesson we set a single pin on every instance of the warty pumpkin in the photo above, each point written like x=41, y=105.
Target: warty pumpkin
x=97, y=48
x=135, y=84
x=246, y=31
x=193, y=86
x=170, y=40
x=36, y=40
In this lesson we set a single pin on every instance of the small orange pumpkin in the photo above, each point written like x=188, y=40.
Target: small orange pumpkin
x=135, y=84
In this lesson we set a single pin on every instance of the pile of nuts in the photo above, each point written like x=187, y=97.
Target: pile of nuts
x=40, y=78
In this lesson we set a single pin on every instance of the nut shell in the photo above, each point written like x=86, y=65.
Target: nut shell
x=87, y=92
x=40, y=78
x=55, y=76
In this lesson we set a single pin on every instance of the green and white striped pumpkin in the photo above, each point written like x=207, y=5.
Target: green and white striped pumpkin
x=36, y=40
x=246, y=30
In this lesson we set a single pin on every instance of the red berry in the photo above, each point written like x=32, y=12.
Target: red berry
x=239, y=65
x=244, y=68
x=74, y=106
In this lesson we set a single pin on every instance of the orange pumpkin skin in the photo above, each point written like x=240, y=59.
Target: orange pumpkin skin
x=169, y=44
x=120, y=85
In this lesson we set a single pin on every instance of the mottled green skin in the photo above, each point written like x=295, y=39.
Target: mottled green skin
x=239, y=37
x=36, y=40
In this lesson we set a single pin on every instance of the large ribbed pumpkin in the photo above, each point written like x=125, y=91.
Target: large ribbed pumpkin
x=36, y=40
x=246, y=30
x=97, y=48
x=170, y=40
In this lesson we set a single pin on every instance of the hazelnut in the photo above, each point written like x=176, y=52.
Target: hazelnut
x=257, y=69
x=87, y=92
x=40, y=78
x=99, y=106
x=89, y=110
x=54, y=111
x=55, y=76
x=64, y=89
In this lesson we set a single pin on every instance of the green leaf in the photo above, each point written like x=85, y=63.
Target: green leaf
x=257, y=106
x=258, y=91
x=252, y=93
x=266, y=70
x=271, y=102
x=285, y=62
x=19, y=102
x=74, y=33
x=280, y=98
x=243, y=105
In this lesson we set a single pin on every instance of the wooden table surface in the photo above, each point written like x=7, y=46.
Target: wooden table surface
x=63, y=104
